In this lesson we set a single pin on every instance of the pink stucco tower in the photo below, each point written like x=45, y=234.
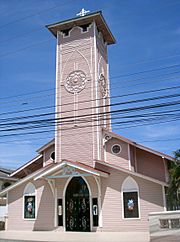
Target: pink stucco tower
x=82, y=87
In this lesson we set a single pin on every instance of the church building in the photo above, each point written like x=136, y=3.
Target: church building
x=88, y=178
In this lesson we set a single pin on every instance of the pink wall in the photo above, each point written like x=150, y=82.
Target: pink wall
x=120, y=159
x=150, y=165
x=141, y=161
x=45, y=205
x=45, y=209
x=151, y=200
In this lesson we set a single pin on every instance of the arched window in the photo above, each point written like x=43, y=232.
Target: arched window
x=29, y=201
x=130, y=194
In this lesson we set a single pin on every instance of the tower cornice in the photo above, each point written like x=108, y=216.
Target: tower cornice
x=78, y=21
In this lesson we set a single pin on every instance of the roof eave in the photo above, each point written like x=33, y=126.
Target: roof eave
x=25, y=165
x=131, y=142
x=133, y=173
x=94, y=172
x=42, y=148
x=73, y=21
x=19, y=182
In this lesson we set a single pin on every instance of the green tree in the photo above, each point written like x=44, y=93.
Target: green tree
x=174, y=184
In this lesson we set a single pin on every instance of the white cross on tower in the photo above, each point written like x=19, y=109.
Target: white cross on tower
x=83, y=12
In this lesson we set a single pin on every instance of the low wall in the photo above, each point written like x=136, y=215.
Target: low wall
x=165, y=225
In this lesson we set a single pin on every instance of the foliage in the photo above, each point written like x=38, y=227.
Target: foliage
x=174, y=184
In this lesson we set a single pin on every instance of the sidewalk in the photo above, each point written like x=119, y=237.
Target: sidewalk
x=14, y=236
x=166, y=236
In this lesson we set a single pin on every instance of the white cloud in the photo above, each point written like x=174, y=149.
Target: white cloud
x=160, y=132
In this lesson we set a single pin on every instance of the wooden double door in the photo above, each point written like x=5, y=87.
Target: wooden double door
x=77, y=206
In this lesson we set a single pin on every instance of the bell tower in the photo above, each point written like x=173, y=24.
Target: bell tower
x=82, y=87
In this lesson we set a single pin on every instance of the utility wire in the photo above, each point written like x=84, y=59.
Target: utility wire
x=34, y=14
x=22, y=49
x=58, y=88
x=92, y=108
x=87, y=101
x=70, y=119
x=23, y=141
x=84, y=127
x=140, y=118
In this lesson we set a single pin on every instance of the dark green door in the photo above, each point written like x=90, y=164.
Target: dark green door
x=77, y=206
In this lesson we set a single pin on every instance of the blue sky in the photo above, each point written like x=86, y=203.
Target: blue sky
x=148, y=38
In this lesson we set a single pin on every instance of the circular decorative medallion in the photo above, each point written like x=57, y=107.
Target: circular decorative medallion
x=75, y=82
x=103, y=85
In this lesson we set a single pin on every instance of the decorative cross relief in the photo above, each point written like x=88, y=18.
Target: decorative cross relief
x=68, y=170
x=83, y=12
x=103, y=85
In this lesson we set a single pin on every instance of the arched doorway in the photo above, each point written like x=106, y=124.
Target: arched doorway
x=77, y=206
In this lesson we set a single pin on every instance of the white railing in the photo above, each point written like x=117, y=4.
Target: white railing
x=164, y=221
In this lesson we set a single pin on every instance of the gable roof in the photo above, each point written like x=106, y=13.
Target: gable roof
x=23, y=180
x=4, y=174
x=142, y=147
x=54, y=167
x=77, y=165
x=5, y=170
x=42, y=148
x=26, y=165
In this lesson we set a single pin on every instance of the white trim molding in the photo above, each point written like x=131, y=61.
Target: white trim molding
x=129, y=157
x=164, y=198
x=76, y=166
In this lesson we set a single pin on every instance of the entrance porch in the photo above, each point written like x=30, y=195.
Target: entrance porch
x=76, y=190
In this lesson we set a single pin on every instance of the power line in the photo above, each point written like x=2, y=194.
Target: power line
x=91, y=108
x=156, y=114
x=81, y=122
x=57, y=88
x=32, y=15
x=22, y=49
x=84, y=127
x=86, y=101
x=21, y=35
x=70, y=119
x=26, y=102
x=159, y=140
x=22, y=141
